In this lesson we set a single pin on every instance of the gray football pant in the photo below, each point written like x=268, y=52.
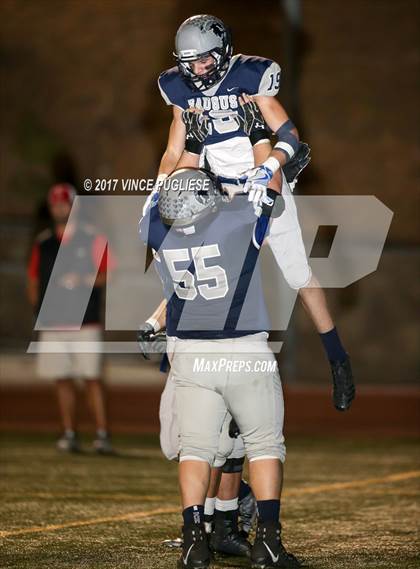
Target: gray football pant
x=228, y=447
x=216, y=377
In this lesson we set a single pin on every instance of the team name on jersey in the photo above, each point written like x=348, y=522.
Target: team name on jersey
x=215, y=103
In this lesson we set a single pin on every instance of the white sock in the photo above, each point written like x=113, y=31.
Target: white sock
x=226, y=505
x=209, y=511
x=209, y=506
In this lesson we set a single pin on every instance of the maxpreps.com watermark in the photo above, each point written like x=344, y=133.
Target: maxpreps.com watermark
x=204, y=365
x=132, y=185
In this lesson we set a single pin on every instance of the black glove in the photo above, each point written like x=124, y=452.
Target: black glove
x=252, y=122
x=233, y=429
x=197, y=125
x=150, y=342
x=143, y=338
x=297, y=163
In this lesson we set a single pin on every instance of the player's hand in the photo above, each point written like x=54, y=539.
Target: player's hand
x=294, y=167
x=256, y=178
x=153, y=197
x=143, y=339
x=252, y=121
x=197, y=129
x=233, y=429
x=255, y=184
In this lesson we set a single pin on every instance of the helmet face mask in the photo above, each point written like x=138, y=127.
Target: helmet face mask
x=188, y=196
x=197, y=38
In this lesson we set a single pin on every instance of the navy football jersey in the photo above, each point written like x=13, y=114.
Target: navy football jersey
x=246, y=74
x=211, y=277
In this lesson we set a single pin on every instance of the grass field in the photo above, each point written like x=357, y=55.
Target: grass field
x=348, y=504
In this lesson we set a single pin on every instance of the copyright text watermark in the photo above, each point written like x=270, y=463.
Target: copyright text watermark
x=132, y=185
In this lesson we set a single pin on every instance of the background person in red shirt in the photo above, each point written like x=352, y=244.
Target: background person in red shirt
x=85, y=266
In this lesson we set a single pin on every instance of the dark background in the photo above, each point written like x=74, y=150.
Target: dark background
x=80, y=100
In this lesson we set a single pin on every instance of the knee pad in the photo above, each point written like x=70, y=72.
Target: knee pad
x=238, y=450
x=233, y=465
x=298, y=275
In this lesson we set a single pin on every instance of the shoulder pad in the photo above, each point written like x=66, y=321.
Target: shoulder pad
x=171, y=86
x=264, y=74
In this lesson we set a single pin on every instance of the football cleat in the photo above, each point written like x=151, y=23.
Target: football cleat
x=195, y=549
x=173, y=543
x=268, y=550
x=208, y=523
x=102, y=445
x=69, y=442
x=226, y=539
x=247, y=513
x=344, y=390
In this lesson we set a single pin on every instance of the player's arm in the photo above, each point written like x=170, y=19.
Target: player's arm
x=288, y=154
x=176, y=155
x=277, y=119
x=261, y=152
x=158, y=318
x=196, y=131
x=254, y=126
x=176, y=144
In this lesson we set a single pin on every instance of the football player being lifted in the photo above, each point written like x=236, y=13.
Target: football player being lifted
x=211, y=81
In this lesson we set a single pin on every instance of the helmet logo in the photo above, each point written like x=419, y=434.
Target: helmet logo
x=217, y=29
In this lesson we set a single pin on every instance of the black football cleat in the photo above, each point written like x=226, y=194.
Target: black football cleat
x=344, y=390
x=226, y=538
x=195, y=549
x=268, y=550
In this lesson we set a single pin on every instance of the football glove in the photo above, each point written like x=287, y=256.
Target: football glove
x=153, y=197
x=149, y=341
x=233, y=429
x=197, y=126
x=294, y=167
x=255, y=184
x=252, y=121
x=257, y=178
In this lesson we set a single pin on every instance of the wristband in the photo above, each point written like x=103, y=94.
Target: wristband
x=154, y=323
x=272, y=164
x=193, y=146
